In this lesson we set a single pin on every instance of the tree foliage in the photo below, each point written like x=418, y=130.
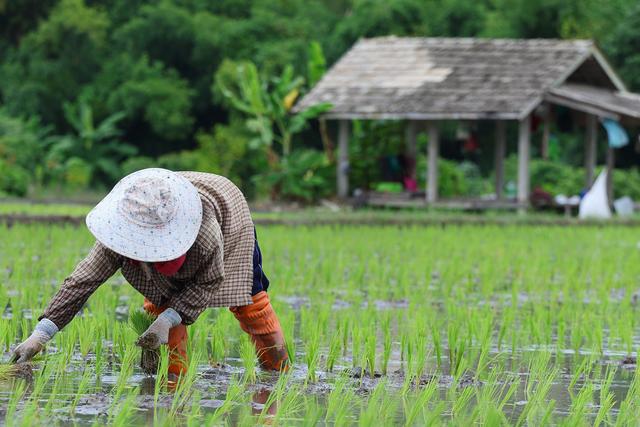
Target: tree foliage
x=153, y=64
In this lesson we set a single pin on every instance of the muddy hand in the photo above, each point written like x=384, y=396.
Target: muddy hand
x=158, y=332
x=43, y=332
x=25, y=351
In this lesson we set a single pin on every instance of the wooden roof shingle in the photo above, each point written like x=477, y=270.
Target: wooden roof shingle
x=445, y=78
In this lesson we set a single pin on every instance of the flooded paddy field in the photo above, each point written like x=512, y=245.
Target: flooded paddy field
x=461, y=325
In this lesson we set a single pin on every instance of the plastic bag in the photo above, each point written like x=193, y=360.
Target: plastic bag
x=595, y=204
x=624, y=206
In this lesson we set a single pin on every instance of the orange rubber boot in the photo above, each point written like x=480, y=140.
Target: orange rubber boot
x=177, y=342
x=260, y=321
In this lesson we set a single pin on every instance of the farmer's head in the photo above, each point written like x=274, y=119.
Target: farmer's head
x=152, y=215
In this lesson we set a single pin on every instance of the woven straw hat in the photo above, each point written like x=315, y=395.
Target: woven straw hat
x=151, y=215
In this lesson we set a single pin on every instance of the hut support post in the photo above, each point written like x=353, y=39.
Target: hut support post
x=611, y=163
x=501, y=145
x=546, y=131
x=590, y=149
x=524, y=153
x=342, y=165
x=432, y=167
x=411, y=149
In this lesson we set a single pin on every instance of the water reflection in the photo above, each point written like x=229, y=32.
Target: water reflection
x=260, y=399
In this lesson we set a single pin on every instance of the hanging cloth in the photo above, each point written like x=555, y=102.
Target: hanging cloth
x=617, y=135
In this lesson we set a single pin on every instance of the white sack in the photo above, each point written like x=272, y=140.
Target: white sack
x=595, y=204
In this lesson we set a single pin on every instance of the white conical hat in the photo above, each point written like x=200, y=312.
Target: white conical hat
x=151, y=215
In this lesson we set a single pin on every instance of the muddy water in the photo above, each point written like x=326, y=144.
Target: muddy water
x=213, y=381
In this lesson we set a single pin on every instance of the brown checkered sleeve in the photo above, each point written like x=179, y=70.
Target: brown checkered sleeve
x=196, y=297
x=89, y=274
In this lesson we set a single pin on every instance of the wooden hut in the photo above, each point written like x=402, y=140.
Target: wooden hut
x=424, y=81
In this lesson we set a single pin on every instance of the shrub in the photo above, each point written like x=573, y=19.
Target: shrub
x=77, y=174
x=304, y=175
x=626, y=183
x=180, y=161
x=133, y=164
x=14, y=179
x=451, y=178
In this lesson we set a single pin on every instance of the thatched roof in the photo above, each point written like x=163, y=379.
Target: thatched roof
x=454, y=78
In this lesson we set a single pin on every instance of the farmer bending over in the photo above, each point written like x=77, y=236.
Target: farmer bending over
x=186, y=242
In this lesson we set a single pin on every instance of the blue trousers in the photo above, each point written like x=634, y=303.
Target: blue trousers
x=260, y=280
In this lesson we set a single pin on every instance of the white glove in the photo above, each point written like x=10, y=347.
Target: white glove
x=43, y=332
x=158, y=332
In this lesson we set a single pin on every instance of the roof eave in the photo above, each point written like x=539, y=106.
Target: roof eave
x=421, y=116
x=582, y=106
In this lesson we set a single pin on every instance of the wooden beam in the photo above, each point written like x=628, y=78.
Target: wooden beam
x=500, y=151
x=411, y=132
x=590, y=157
x=433, y=152
x=524, y=154
x=342, y=165
x=574, y=105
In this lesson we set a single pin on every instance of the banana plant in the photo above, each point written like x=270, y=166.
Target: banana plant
x=93, y=145
x=266, y=105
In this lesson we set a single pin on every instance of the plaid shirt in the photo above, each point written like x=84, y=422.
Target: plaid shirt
x=217, y=272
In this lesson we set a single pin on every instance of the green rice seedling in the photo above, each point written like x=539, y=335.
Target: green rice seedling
x=630, y=406
x=357, y=355
x=415, y=403
x=387, y=343
x=379, y=408
x=437, y=344
x=312, y=356
x=405, y=346
x=607, y=399
x=538, y=407
x=492, y=396
x=217, y=343
x=370, y=351
x=195, y=417
x=99, y=360
x=83, y=386
x=335, y=349
x=418, y=357
x=339, y=402
x=284, y=402
x=140, y=321
x=312, y=413
x=86, y=337
x=126, y=370
x=185, y=387
x=249, y=361
x=235, y=390
x=10, y=371
x=17, y=395
x=583, y=371
x=288, y=325
x=462, y=400
x=346, y=329
x=122, y=416
x=457, y=348
x=579, y=406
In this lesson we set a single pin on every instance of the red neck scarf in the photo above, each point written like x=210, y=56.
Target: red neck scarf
x=167, y=268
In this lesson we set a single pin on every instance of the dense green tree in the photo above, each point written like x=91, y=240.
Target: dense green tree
x=154, y=61
x=623, y=47
x=54, y=62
